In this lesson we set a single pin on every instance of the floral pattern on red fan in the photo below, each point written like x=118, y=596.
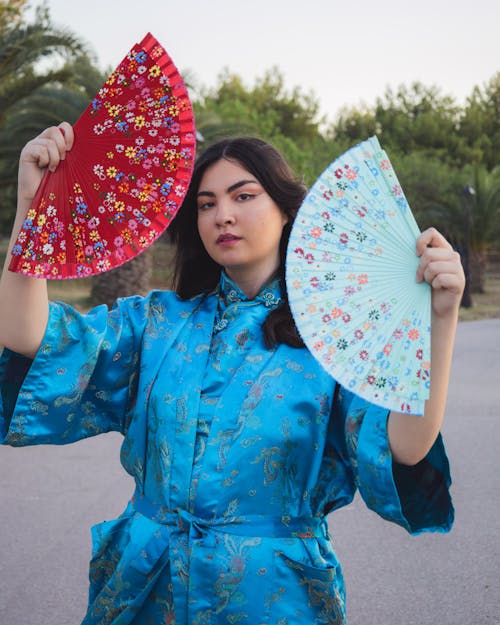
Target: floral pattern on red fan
x=125, y=178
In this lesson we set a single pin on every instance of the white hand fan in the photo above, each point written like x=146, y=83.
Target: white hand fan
x=351, y=280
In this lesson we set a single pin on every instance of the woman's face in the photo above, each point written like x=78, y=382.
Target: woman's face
x=239, y=224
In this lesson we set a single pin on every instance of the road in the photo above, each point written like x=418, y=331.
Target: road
x=50, y=496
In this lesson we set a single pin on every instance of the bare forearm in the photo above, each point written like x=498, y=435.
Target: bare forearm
x=24, y=300
x=23, y=306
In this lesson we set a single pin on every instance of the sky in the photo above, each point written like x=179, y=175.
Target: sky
x=345, y=52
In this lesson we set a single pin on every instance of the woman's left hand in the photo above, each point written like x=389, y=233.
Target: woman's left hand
x=410, y=437
x=441, y=267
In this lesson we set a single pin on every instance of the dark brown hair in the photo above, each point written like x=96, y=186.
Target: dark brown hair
x=194, y=271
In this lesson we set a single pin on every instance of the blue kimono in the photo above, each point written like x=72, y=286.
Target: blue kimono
x=238, y=453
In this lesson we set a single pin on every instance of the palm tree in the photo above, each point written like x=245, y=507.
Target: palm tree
x=47, y=105
x=483, y=221
x=31, y=97
x=470, y=219
x=22, y=48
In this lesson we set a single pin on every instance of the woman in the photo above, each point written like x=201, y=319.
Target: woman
x=240, y=444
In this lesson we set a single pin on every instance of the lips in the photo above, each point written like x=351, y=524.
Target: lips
x=227, y=238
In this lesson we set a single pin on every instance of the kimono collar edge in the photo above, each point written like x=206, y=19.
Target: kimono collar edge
x=270, y=295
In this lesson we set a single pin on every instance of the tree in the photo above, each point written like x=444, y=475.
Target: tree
x=22, y=47
x=480, y=123
x=31, y=98
x=289, y=119
x=463, y=204
x=354, y=125
x=418, y=117
x=415, y=117
x=267, y=106
x=11, y=13
x=430, y=186
x=131, y=278
x=482, y=215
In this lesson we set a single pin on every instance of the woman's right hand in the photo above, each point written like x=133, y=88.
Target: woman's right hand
x=23, y=299
x=43, y=152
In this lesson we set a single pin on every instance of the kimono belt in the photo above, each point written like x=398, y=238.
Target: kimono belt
x=191, y=546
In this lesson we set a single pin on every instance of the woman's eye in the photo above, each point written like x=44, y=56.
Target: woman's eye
x=244, y=196
x=205, y=206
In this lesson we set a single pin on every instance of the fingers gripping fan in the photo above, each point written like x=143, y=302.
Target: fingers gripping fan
x=351, y=266
x=124, y=179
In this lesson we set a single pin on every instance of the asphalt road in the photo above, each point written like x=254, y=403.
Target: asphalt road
x=50, y=496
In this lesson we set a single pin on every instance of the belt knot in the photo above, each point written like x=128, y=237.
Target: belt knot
x=255, y=525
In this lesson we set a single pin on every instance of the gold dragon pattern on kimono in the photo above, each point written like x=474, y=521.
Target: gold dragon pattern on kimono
x=238, y=453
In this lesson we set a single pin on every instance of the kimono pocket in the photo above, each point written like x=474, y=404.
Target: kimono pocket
x=128, y=556
x=109, y=541
x=307, y=593
x=148, y=549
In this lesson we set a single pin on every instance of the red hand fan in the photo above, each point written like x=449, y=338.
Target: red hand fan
x=125, y=178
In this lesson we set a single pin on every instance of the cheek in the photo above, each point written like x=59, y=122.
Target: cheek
x=272, y=219
x=276, y=224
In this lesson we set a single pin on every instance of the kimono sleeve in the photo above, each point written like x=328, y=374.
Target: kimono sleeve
x=415, y=497
x=82, y=380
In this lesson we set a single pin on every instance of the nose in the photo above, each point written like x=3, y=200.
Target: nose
x=225, y=214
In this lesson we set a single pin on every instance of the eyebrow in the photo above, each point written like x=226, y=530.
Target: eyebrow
x=230, y=189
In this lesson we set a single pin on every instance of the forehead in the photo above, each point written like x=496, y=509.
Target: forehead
x=222, y=174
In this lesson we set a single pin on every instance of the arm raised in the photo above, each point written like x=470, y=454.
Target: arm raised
x=411, y=437
x=23, y=299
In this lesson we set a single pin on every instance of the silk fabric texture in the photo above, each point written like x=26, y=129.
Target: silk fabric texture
x=238, y=453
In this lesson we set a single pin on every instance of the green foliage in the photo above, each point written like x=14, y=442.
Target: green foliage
x=480, y=123
x=408, y=119
x=436, y=146
x=22, y=48
x=432, y=188
x=484, y=207
x=11, y=13
x=288, y=119
x=35, y=95
x=417, y=117
x=354, y=125
x=420, y=118
x=267, y=107
x=431, y=141
x=438, y=149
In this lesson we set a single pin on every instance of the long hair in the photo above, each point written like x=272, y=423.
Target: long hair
x=194, y=270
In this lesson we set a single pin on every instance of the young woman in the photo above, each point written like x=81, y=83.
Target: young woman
x=239, y=442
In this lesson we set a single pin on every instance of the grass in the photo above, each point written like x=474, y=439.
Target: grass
x=77, y=292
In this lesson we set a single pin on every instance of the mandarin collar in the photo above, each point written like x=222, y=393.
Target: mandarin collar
x=230, y=293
